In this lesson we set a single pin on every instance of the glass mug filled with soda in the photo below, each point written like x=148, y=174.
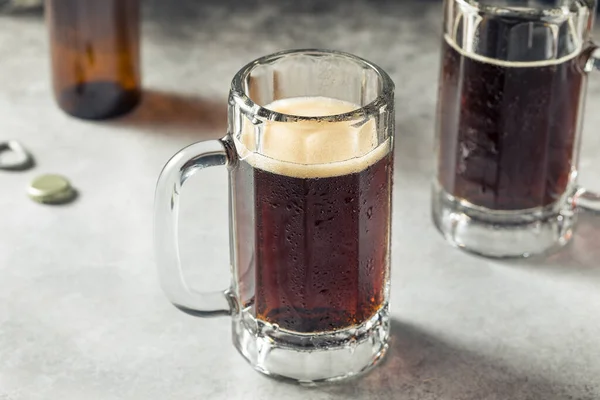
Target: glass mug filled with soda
x=309, y=151
x=511, y=100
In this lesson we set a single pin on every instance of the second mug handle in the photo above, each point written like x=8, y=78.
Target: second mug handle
x=180, y=167
x=585, y=199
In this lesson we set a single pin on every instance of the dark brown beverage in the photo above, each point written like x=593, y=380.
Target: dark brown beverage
x=95, y=56
x=321, y=231
x=507, y=131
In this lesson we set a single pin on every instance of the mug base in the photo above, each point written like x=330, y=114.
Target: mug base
x=503, y=234
x=309, y=359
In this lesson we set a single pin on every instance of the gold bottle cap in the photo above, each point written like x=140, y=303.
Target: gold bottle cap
x=51, y=189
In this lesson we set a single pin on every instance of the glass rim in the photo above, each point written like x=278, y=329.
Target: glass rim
x=258, y=111
x=555, y=12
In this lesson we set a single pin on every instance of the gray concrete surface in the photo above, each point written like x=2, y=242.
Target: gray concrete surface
x=81, y=312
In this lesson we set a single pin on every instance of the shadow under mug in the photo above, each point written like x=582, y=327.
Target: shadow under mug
x=511, y=101
x=309, y=150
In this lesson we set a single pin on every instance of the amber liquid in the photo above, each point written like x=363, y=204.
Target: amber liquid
x=507, y=132
x=95, y=56
x=321, y=251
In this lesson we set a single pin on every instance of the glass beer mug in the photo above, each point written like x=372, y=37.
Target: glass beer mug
x=511, y=101
x=309, y=150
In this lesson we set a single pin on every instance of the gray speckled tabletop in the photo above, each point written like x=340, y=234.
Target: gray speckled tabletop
x=81, y=312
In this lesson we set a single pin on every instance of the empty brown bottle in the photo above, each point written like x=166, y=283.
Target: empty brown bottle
x=95, y=56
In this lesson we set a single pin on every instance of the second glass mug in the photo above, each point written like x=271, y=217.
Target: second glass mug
x=309, y=150
x=511, y=101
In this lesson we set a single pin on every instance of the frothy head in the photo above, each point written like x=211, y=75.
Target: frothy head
x=510, y=64
x=312, y=148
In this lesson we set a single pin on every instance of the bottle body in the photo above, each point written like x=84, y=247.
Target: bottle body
x=95, y=51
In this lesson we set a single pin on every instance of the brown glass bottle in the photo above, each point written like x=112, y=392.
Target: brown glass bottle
x=95, y=56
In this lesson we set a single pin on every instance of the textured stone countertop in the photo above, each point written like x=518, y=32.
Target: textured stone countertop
x=81, y=312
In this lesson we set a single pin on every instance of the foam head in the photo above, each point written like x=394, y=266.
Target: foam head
x=312, y=148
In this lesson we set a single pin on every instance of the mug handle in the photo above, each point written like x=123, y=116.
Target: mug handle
x=584, y=199
x=180, y=167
